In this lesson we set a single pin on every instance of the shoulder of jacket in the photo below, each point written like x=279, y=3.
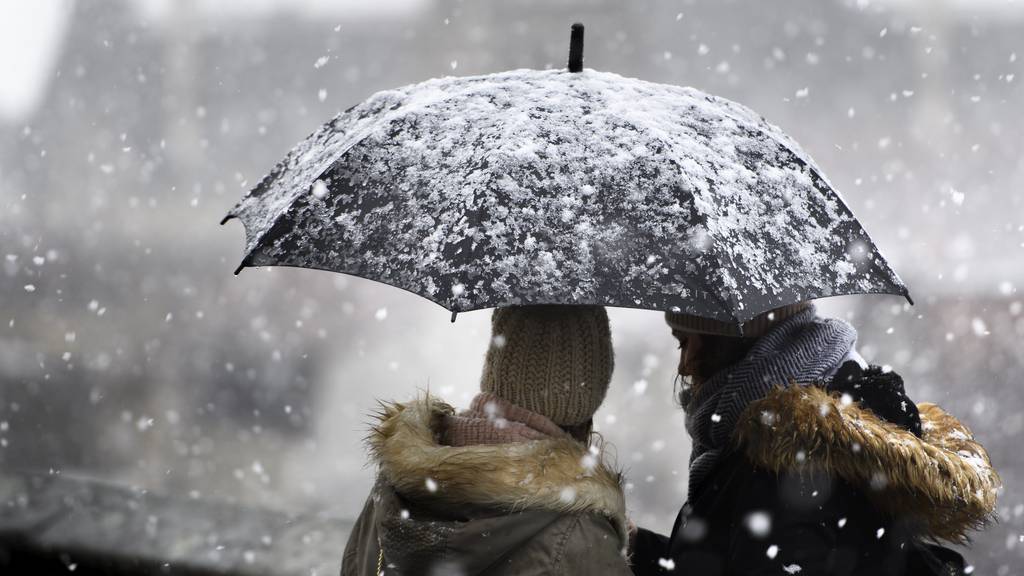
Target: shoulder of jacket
x=591, y=537
x=944, y=478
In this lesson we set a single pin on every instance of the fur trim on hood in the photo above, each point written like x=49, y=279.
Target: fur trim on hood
x=558, y=474
x=943, y=479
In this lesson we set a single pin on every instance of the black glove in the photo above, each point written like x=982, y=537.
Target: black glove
x=880, y=392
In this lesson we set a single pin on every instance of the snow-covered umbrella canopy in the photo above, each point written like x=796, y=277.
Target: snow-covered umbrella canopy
x=556, y=186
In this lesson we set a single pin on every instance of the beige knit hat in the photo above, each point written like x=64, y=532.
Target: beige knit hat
x=556, y=361
x=753, y=328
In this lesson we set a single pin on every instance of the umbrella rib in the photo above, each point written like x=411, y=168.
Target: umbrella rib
x=723, y=303
x=725, y=306
x=265, y=182
x=258, y=240
x=808, y=163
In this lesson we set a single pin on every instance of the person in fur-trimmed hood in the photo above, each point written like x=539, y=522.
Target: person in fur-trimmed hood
x=807, y=461
x=511, y=485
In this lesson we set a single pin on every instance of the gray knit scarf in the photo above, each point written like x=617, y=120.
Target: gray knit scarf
x=801, y=349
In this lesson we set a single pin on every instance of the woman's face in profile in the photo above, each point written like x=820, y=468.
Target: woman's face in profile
x=689, y=347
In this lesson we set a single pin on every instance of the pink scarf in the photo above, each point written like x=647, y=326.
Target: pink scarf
x=493, y=420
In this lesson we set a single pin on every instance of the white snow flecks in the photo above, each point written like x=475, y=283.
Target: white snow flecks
x=548, y=186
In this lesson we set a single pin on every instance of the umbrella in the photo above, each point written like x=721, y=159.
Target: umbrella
x=564, y=186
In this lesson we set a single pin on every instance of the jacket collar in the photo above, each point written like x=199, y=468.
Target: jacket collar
x=557, y=474
x=943, y=479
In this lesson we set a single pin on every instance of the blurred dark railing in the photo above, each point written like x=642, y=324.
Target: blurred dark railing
x=52, y=524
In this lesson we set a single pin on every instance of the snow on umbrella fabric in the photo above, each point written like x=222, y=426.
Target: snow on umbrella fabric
x=543, y=187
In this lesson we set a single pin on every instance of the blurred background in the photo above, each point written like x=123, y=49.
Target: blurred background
x=129, y=353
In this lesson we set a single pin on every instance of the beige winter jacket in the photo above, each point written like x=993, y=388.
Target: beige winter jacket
x=541, y=507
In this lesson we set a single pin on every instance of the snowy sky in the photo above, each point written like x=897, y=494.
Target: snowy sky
x=975, y=7
x=258, y=8
x=31, y=34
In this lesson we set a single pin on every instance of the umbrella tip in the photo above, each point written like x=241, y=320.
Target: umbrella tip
x=454, y=314
x=576, y=48
x=225, y=219
x=239, y=269
x=909, y=299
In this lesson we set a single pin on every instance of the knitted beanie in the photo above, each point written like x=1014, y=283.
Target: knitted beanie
x=753, y=328
x=553, y=360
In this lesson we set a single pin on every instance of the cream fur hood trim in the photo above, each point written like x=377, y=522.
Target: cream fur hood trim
x=556, y=474
x=943, y=479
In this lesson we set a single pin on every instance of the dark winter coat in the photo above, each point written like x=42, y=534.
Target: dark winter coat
x=541, y=507
x=818, y=484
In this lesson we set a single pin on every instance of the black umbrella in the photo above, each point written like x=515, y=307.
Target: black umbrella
x=564, y=186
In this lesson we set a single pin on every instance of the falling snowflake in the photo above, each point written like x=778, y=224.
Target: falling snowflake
x=588, y=462
x=759, y=523
x=319, y=189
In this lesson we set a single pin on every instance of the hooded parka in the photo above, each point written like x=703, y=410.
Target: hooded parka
x=541, y=507
x=817, y=483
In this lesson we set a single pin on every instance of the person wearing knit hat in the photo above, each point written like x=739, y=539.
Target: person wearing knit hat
x=552, y=360
x=511, y=485
x=804, y=456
